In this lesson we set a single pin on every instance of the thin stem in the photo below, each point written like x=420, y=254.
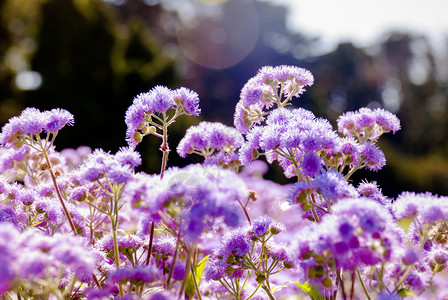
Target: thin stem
x=352, y=288
x=253, y=293
x=227, y=286
x=313, y=210
x=245, y=212
x=341, y=282
x=195, y=281
x=268, y=292
x=151, y=236
x=172, y=266
x=362, y=284
x=117, y=256
x=186, y=275
x=403, y=278
x=53, y=178
x=164, y=147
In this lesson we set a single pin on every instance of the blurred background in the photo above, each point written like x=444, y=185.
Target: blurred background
x=92, y=57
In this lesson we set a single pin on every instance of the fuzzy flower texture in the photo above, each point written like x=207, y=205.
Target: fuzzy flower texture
x=154, y=103
x=85, y=224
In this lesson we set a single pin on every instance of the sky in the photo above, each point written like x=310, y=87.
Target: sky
x=363, y=22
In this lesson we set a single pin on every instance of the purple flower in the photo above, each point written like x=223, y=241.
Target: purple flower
x=193, y=140
x=56, y=119
x=251, y=93
x=279, y=252
x=208, y=137
x=366, y=124
x=10, y=155
x=260, y=92
x=71, y=253
x=134, y=119
x=159, y=99
x=27, y=196
x=128, y=156
x=428, y=207
x=124, y=241
x=365, y=118
x=299, y=192
x=332, y=185
x=32, y=121
x=345, y=229
x=357, y=233
x=242, y=121
x=291, y=138
x=140, y=274
x=311, y=165
x=96, y=293
x=215, y=270
x=270, y=138
x=373, y=156
x=165, y=245
x=117, y=168
x=163, y=295
x=346, y=124
x=10, y=131
x=350, y=148
x=50, y=208
x=387, y=120
x=189, y=100
x=301, y=77
x=411, y=256
x=209, y=195
x=372, y=191
x=263, y=225
x=281, y=116
x=247, y=151
x=235, y=242
x=8, y=215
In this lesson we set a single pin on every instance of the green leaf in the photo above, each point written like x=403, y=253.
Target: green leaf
x=190, y=290
x=309, y=289
x=405, y=293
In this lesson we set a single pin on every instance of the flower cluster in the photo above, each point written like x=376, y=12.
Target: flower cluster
x=261, y=92
x=359, y=232
x=249, y=252
x=191, y=199
x=214, y=141
x=83, y=224
x=31, y=123
x=324, y=190
x=148, y=108
x=29, y=257
x=115, y=169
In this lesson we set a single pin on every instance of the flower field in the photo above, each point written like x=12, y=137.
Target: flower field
x=84, y=224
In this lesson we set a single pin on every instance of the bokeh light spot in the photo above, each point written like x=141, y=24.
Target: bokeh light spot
x=223, y=41
x=28, y=80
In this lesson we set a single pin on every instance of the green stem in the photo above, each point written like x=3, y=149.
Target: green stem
x=227, y=286
x=172, y=266
x=268, y=292
x=362, y=284
x=164, y=147
x=253, y=293
x=116, y=253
